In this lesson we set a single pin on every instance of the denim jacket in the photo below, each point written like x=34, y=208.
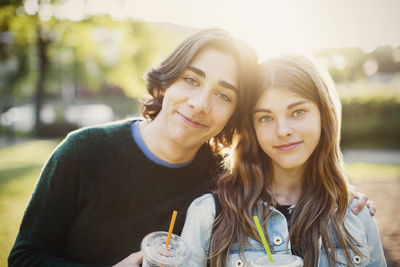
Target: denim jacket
x=199, y=222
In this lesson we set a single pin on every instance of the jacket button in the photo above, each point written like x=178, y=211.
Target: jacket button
x=357, y=259
x=239, y=263
x=277, y=240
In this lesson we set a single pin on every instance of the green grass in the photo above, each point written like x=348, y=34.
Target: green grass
x=20, y=166
x=360, y=171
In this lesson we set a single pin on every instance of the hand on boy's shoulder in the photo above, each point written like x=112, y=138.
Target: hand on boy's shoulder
x=360, y=200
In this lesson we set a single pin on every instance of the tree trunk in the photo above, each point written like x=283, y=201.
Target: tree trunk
x=42, y=45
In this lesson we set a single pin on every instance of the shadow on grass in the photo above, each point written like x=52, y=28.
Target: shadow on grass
x=6, y=175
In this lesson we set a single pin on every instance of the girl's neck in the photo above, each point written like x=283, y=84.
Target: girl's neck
x=162, y=146
x=287, y=185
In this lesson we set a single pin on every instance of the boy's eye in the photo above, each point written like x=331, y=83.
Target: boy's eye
x=298, y=113
x=191, y=81
x=224, y=97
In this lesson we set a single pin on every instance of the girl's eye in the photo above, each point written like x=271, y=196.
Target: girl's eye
x=191, y=81
x=224, y=97
x=298, y=113
x=265, y=119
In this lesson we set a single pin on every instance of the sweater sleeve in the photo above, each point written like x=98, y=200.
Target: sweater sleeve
x=50, y=212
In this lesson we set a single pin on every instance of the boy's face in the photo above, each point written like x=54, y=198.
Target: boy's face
x=198, y=105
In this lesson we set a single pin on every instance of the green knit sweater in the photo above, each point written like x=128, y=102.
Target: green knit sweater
x=99, y=195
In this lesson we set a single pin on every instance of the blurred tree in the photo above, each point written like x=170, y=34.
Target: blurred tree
x=13, y=60
x=385, y=56
x=45, y=55
x=27, y=32
x=43, y=42
x=99, y=53
x=344, y=64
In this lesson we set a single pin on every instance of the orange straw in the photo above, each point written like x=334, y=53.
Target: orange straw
x=171, y=227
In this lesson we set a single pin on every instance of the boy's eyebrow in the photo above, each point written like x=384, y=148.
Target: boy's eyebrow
x=221, y=82
x=288, y=107
x=197, y=71
x=228, y=86
x=262, y=110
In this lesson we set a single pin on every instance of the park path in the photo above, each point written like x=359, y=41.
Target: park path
x=391, y=157
x=386, y=196
x=8, y=141
x=350, y=155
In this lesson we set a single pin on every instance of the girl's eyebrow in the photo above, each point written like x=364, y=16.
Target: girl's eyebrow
x=296, y=104
x=288, y=107
x=221, y=82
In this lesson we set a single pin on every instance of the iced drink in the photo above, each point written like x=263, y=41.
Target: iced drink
x=155, y=254
x=282, y=260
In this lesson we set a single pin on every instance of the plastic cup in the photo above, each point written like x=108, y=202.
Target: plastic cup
x=155, y=254
x=282, y=260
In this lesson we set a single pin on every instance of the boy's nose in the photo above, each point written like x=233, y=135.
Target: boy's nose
x=200, y=101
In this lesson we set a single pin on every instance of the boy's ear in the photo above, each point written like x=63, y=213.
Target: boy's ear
x=162, y=91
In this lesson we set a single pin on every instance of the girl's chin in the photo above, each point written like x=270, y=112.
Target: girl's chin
x=291, y=165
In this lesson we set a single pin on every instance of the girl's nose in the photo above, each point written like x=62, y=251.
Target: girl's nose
x=284, y=128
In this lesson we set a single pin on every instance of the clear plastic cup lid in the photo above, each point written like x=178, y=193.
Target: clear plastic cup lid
x=153, y=246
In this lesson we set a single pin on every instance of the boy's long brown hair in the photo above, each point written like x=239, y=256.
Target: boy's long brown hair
x=321, y=209
x=160, y=78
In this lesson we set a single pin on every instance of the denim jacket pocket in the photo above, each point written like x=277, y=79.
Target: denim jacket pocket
x=236, y=260
x=252, y=251
x=357, y=259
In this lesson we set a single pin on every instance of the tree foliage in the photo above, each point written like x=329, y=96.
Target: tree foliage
x=349, y=63
x=61, y=58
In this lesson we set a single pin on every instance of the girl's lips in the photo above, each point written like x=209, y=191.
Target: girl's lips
x=287, y=147
x=190, y=121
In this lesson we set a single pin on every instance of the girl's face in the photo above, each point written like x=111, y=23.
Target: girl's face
x=288, y=127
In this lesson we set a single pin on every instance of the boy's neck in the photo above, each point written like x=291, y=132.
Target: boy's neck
x=162, y=146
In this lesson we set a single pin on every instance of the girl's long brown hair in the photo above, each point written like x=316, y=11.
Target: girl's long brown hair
x=321, y=210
